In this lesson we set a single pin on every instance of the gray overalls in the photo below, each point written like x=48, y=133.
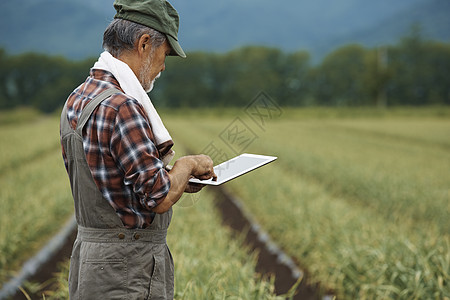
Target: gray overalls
x=108, y=260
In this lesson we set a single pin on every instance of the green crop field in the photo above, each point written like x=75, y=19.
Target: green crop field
x=35, y=200
x=360, y=199
x=34, y=196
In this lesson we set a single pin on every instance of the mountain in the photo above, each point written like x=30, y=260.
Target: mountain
x=74, y=28
x=432, y=17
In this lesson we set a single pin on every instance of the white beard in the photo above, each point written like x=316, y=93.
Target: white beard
x=152, y=83
x=143, y=75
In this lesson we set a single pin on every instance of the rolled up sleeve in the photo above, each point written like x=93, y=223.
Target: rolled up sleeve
x=134, y=150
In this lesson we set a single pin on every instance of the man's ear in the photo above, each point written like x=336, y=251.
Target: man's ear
x=143, y=44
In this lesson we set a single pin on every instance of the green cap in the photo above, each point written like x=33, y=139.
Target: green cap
x=157, y=14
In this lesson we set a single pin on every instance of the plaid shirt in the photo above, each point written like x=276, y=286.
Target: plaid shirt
x=120, y=150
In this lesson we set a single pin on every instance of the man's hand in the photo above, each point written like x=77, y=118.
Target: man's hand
x=203, y=170
x=204, y=167
x=198, y=166
x=193, y=187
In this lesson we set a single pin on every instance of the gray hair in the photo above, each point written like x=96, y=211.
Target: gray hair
x=121, y=35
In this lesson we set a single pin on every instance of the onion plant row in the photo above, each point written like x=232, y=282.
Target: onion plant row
x=361, y=203
x=34, y=195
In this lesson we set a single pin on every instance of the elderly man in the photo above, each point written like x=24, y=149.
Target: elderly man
x=116, y=151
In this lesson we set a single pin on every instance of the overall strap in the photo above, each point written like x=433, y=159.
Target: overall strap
x=90, y=107
x=64, y=123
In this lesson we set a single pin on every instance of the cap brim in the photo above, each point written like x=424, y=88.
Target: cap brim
x=176, y=48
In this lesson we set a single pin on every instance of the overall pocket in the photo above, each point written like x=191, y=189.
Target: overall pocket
x=103, y=279
x=158, y=285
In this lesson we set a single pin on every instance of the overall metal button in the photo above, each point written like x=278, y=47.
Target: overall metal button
x=137, y=236
x=121, y=236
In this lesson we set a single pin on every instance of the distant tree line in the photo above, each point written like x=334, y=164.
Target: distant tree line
x=39, y=80
x=413, y=72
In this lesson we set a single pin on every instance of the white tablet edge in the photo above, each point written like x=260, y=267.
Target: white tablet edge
x=211, y=182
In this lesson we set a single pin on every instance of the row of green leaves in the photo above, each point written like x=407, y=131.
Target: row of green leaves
x=361, y=202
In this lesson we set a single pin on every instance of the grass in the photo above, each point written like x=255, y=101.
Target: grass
x=18, y=116
x=23, y=143
x=35, y=195
x=209, y=262
x=364, y=200
x=359, y=198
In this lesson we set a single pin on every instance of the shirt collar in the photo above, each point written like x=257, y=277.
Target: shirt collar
x=103, y=75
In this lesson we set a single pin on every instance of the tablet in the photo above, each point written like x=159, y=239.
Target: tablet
x=236, y=167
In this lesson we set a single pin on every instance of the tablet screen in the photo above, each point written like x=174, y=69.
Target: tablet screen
x=235, y=167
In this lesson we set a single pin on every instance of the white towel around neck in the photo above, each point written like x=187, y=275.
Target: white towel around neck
x=132, y=87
